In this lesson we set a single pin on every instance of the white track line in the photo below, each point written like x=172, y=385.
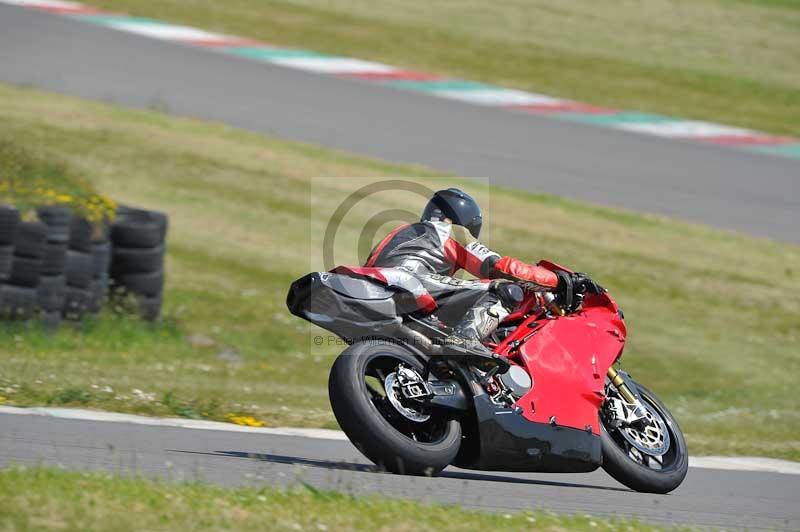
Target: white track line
x=113, y=417
x=492, y=96
x=169, y=32
x=730, y=463
x=43, y=3
x=746, y=463
x=333, y=65
x=686, y=128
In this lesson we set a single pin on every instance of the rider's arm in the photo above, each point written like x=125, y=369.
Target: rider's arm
x=511, y=268
x=484, y=263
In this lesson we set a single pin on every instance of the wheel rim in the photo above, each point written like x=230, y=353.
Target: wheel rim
x=653, y=445
x=413, y=420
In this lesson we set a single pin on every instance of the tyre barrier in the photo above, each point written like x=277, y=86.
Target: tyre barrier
x=18, y=293
x=9, y=220
x=63, y=267
x=17, y=302
x=98, y=286
x=54, y=258
x=76, y=303
x=80, y=235
x=51, y=293
x=6, y=254
x=29, y=240
x=98, y=294
x=58, y=221
x=139, y=228
x=138, y=239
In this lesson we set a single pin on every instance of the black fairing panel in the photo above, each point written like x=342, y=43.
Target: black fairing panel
x=509, y=442
x=348, y=307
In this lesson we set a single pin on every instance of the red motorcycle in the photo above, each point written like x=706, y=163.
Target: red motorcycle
x=548, y=400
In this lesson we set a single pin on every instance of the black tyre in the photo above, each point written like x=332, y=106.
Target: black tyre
x=76, y=302
x=6, y=255
x=150, y=308
x=54, y=258
x=55, y=216
x=102, y=231
x=17, y=302
x=51, y=292
x=9, y=220
x=29, y=241
x=160, y=218
x=357, y=390
x=136, y=228
x=25, y=271
x=78, y=269
x=98, y=293
x=58, y=234
x=146, y=284
x=137, y=260
x=659, y=472
x=80, y=235
x=101, y=258
x=51, y=321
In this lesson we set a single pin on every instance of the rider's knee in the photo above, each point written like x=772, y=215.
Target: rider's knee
x=509, y=294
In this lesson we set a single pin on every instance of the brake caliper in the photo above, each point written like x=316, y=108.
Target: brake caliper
x=411, y=384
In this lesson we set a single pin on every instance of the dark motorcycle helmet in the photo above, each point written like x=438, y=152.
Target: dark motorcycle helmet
x=457, y=205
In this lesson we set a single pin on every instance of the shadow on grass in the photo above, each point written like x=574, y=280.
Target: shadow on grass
x=368, y=468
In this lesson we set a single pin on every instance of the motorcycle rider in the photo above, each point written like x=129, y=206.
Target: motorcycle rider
x=421, y=258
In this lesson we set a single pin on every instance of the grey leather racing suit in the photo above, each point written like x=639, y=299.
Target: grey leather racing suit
x=421, y=258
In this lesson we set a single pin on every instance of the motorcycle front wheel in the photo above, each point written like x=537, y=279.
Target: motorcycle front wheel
x=649, y=457
x=397, y=434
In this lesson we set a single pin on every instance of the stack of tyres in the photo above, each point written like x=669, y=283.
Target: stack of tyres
x=9, y=220
x=52, y=283
x=19, y=291
x=101, y=262
x=78, y=270
x=137, y=265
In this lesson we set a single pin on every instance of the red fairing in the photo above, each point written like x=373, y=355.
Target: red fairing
x=516, y=269
x=568, y=358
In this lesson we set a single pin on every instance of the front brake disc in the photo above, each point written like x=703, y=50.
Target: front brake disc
x=649, y=436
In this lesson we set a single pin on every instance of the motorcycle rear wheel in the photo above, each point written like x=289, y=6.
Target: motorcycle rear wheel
x=375, y=426
x=660, y=474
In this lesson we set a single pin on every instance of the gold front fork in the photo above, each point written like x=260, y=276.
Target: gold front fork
x=619, y=382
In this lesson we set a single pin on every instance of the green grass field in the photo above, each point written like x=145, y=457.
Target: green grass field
x=731, y=61
x=50, y=499
x=713, y=316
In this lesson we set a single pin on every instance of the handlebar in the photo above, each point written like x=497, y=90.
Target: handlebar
x=550, y=303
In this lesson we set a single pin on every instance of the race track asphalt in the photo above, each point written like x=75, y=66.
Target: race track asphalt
x=743, y=191
x=708, y=497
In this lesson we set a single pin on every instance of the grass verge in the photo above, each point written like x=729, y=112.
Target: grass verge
x=713, y=316
x=50, y=499
x=30, y=180
x=732, y=61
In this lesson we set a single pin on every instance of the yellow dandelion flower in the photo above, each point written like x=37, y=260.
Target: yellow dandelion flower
x=247, y=421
